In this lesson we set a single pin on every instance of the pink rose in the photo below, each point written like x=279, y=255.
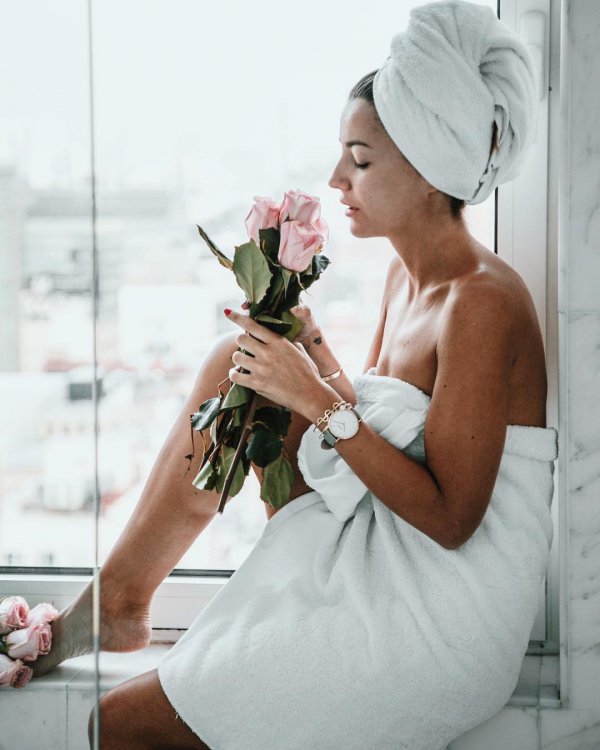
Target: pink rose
x=264, y=214
x=14, y=673
x=41, y=612
x=30, y=642
x=299, y=206
x=321, y=226
x=297, y=246
x=13, y=613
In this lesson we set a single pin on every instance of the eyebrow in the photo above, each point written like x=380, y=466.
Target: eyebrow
x=355, y=143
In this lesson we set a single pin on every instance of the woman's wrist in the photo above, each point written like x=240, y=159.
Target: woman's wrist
x=318, y=350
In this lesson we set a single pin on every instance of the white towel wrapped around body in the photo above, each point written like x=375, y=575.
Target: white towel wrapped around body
x=346, y=627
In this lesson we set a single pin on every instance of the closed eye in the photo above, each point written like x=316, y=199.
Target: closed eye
x=361, y=166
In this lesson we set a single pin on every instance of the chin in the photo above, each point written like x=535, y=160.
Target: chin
x=356, y=229
x=361, y=232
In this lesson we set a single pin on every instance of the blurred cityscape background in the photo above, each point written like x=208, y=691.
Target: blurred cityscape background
x=197, y=107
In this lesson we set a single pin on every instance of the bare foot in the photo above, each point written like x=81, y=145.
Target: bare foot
x=122, y=628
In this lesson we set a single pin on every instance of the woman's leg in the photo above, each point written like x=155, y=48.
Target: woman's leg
x=136, y=715
x=167, y=519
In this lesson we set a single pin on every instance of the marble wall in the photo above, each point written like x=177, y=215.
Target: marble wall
x=577, y=727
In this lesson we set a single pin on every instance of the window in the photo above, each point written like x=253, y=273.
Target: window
x=182, y=134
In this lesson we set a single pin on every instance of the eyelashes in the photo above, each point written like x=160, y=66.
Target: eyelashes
x=361, y=166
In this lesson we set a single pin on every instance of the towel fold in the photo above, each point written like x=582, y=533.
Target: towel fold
x=455, y=71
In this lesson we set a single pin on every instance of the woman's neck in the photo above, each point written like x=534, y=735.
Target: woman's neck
x=434, y=253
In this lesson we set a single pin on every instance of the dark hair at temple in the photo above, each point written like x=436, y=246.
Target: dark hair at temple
x=363, y=89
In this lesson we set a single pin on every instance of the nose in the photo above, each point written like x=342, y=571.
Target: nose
x=337, y=179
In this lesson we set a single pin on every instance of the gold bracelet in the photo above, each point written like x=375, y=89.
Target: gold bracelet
x=333, y=375
x=327, y=413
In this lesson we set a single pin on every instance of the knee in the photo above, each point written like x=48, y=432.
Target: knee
x=218, y=362
x=112, y=726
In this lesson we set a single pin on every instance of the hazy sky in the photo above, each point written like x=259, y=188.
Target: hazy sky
x=184, y=86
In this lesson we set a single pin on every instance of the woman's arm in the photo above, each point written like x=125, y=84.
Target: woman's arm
x=465, y=428
x=318, y=350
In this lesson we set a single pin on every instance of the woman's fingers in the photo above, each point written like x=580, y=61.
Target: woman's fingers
x=262, y=333
x=249, y=343
x=244, y=360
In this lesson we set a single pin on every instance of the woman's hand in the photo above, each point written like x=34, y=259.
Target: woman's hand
x=279, y=370
x=310, y=325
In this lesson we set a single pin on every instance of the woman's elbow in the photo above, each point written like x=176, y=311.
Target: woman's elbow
x=456, y=533
x=463, y=520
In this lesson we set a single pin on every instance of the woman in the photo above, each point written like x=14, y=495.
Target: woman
x=389, y=604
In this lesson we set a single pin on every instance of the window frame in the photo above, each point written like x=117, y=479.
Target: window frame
x=527, y=233
x=520, y=226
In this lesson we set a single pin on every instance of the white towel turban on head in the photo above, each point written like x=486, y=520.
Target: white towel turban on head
x=455, y=70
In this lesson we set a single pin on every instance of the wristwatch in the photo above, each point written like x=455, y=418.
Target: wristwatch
x=342, y=424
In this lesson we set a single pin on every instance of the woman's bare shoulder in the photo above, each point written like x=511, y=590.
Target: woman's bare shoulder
x=495, y=283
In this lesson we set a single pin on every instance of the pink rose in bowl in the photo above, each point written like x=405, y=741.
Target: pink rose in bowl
x=41, y=612
x=297, y=245
x=264, y=214
x=299, y=206
x=14, y=673
x=13, y=613
x=30, y=642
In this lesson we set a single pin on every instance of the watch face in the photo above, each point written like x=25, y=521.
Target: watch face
x=343, y=423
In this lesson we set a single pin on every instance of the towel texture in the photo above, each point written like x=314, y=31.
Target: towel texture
x=347, y=627
x=455, y=70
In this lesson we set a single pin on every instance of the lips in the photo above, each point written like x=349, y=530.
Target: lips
x=351, y=210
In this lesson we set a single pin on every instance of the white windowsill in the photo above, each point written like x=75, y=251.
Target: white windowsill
x=537, y=686
x=175, y=605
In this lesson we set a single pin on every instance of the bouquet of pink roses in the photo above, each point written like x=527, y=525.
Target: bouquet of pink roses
x=282, y=258
x=25, y=634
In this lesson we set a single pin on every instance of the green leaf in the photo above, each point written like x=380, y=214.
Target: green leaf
x=269, y=240
x=213, y=431
x=236, y=396
x=246, y=463
x=238, y=418
x=276, y=287
x=277, y=419
x=278, y=477
x=273, y=324
x=286, y=275
x=206, y=477
x=318, y=265
x=206, y=413
x=221, y=257
x=294, y=321
x=251, y=271
x=225, y=461
x=264, y=446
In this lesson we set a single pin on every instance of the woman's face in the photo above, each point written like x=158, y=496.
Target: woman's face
x=376, y=178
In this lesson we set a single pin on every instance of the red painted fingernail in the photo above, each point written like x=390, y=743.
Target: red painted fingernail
x=226, y=311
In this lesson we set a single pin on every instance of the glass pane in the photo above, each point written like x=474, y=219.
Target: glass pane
x=185, y=135
x=46, y=325
x=195, y=115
